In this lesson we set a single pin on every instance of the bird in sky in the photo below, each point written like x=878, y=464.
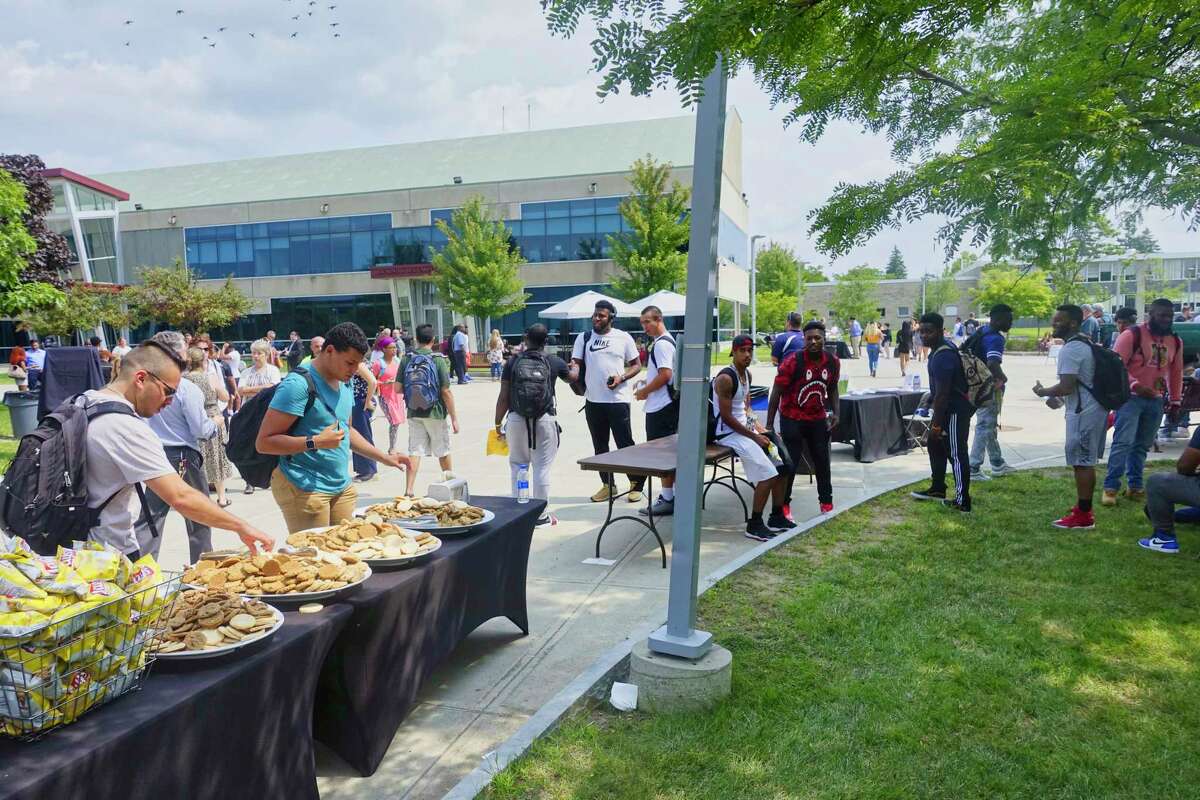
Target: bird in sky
x=179, y=11
x=337, y=36
x=294, y=35
x=128, y=22
x=212, y=44
x=252, y=36
x=127, y=44
x=296, y=17
x=310, y=13
x=220, y=29
x=205, y=38
x=334, y=24
x=331, y=8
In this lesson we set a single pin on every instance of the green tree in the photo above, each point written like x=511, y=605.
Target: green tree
x=939, y=293
x=476, y=272
x=773, y=308
x=895, y=265
x=173, y=296
x=1026, y=292
x=1013, y=119
x=1157, y=284
x=854, y=295
x=1069, y=254
x=16, y=246
x=1131, y=239
x=962, y=261
x=778, y=269
x=84, y=307
x=650, y=255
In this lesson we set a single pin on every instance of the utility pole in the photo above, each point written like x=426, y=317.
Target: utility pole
x=679, y=636
x=754, y=293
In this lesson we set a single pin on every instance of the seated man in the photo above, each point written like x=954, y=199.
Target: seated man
x=1164, y=490
x=736, y=428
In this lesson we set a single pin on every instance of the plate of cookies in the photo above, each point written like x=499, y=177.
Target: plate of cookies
x=297, y=575
x=371, y=539
x=207, y=623
x=445, y=517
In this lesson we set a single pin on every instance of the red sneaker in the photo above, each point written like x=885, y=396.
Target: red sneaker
x=787, y=512
x=1075, y=518
x=826, y=508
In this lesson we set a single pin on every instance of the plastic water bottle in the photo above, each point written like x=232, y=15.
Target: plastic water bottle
x=523, y=483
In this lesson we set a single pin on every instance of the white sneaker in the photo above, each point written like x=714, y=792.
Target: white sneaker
x=980, y=475
x=1002, y=470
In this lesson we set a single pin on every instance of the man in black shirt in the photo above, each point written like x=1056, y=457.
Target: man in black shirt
x=532, y=428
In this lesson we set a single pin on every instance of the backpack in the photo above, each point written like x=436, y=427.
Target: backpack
x=980, y=382
x=422, y=384
x=529, y=393
x=43, y=497
x=672, y=390
x=714, y=413
x=1110, y=381
x=255, y=467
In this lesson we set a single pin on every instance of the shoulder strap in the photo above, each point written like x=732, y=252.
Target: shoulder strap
x=657, y=339
x=116, y=407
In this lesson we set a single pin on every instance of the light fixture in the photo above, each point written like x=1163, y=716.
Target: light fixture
x=171, y=220
x=324, y=208
x=458, y=179
x=592, y=187
x=137, y=206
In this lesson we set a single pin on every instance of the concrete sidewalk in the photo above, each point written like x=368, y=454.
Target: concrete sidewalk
x=497, y=679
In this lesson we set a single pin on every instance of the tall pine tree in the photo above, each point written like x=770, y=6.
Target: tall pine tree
x=895, y=265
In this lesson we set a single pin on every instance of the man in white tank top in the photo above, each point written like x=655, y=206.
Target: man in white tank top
x=738, y=429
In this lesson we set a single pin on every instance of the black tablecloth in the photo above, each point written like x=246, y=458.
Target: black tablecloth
x=874, y=423
x=238, y=726
x=407, y=622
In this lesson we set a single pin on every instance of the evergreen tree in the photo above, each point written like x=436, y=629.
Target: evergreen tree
x=895, y=265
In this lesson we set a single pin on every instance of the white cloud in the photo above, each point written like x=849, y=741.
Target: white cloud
x=401, y=71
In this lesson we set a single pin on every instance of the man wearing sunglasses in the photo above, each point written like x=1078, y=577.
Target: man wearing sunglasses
x=123, y=453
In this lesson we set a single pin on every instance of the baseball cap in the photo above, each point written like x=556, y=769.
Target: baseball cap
x=742, y=340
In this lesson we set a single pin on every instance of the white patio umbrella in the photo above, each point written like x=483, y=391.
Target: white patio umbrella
x=581, y=306
x=670, y=302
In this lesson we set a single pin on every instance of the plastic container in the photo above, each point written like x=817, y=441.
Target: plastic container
x=22, y=410
x=523, y=483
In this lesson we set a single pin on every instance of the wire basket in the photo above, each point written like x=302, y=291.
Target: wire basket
x=73, y=664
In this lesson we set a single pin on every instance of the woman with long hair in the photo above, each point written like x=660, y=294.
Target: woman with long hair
x=391, y=395
x=904, y=345
x=495, y=355
x=872, y=337
x=216, y=463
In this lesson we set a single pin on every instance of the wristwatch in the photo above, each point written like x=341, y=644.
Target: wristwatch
x=309, y=444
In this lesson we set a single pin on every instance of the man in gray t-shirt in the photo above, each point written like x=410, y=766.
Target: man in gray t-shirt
x=1086, y=418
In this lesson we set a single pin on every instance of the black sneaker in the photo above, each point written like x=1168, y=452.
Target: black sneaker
x=758, y=531
x=778, y=522
x=928, y=494
x=954, y=504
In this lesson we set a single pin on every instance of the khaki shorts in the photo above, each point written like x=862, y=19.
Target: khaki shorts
x=304, y=510
x=428, y=437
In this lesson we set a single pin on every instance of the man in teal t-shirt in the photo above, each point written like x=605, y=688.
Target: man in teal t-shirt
x=312, y=483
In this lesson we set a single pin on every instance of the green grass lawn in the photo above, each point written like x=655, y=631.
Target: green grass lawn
x=904, y=651
x=8, y=445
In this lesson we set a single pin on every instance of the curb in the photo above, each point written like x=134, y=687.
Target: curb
x=594, y=681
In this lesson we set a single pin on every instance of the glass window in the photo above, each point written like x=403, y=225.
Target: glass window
x=558, y=226
x=339, y=253
x=245, y=231
x=261, y=230
x=533, y=210
x=191, y=234
x=321, y=254
x=583, y=224
x=298, y=227
x=280, y=255
x=381, y=222
x=245, y=253
x=360, y=223
x=608, y=205
x=208, y=253
x=63, y=228
x=339, y=224
x=560, y=209
x=902, y=311
x=422, y=233
x=1106, y=274
x=225, y=231
x=98, y=238
x=87, y=200
x=299, y=256
x=532, y=247
x=60, y=199
x=360, y=250
x=583, y=208
x=586, y=247
x=318, y=225
x=381, y=247
x=277, y=229
x=262, y=257
x=514, y=227
x=558, y=248
x=533, y=228
x=206, y=234
x=608, y=223
x=227, y=251
x=192, y=258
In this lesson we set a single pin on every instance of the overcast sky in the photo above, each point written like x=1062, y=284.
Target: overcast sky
x=73, y=91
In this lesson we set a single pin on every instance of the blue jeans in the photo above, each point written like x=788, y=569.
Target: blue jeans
x=986, y=419
x=1133, y=436
x=872, y=357
x=497, y=368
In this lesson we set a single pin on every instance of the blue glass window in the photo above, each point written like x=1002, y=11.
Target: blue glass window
x=191, y=235
x=381, y=222
x=298, y=227
x=299, y=255
x=277, y=229
x=609, y=223
x=381, y=247
x=208, y=253
x=321, y=254
x=583, y=208
x=339, y=253
x=280, y=255
x=318, y=225
x=245, y=253
x=339, y=225
x=262, y=257
x=360, y=250
x=562, y=208
x=193, y=253
x=360, y=223
x=206, y=234
x=533, y=210
x=583, y=224
x=608, y=205
x=225, y=232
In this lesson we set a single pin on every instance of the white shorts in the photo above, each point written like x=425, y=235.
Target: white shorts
x=756, y=464
x=428, y=437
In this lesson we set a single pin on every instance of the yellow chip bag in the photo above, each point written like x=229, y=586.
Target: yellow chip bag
x=83, y=650
x=14, y=583
x=104, y=593
x=42, y=605
x=21, y=624
x=31, y=657
x=80, y=700
x=22, y=704
x=14, y=548
x=146, y=574
x=51, y=575
x=92, y=565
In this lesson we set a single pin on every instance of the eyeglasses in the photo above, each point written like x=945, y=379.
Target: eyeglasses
x=168, y=391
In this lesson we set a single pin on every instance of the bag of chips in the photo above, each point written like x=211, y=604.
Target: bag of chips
x=146, y=574
x=92, y=565
x=20, y=625
x=42, y=605
x=14, y=548
x=13, y=582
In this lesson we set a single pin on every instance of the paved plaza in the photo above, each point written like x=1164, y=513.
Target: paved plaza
x=497, y=679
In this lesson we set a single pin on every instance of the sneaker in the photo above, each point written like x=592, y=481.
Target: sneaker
x=602, y=495
x=826, y=508
x=979, y=475
x=635, y=496
x=757, y=530
x=1160, y=543
x=1135, y=494
x=661, y=508
x=1002, y=470
x=954, y=505
x=1109, y=498
x=546, y=519
x=248, y=490
x=928, y=494
x=778, y=522
x=1080, y=520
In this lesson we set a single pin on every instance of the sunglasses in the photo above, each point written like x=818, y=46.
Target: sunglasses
x=168, y=391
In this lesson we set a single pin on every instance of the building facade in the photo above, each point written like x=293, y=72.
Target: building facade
x=322, y=237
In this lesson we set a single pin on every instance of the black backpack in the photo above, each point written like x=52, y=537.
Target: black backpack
x=529, y=388
x=1110, y=382
x=714, y=413
x=255, y=467
x=43, y=497
x=672, y=390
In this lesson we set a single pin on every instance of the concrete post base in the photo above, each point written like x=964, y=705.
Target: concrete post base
x=669, y=684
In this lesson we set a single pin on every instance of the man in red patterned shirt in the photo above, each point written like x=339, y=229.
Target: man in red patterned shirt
x=806, y=392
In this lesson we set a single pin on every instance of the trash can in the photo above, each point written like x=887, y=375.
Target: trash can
x=22, y=410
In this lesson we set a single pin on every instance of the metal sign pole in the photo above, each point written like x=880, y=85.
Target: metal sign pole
x=679, y=636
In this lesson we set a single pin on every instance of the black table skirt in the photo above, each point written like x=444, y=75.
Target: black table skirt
x=239, y=726
x=874, y=423
x=407, y=622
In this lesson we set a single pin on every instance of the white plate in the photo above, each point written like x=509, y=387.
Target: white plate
x=213, y=652
x=379, y=562
x=440, y=530
x=294, y=597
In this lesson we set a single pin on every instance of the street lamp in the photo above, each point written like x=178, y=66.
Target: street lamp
x=754, y=295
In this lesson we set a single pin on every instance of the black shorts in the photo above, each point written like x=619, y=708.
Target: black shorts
x=662, y=423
